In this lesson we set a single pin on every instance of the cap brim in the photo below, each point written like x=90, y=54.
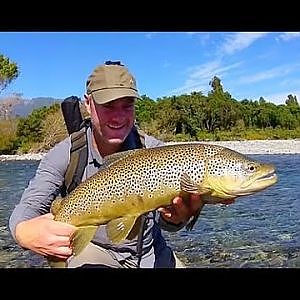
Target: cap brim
x=107, y=95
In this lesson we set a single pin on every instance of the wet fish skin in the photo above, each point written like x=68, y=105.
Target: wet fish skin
x=137, y=181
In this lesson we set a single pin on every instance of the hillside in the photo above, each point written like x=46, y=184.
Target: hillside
x=27, y=106
x=16, y=106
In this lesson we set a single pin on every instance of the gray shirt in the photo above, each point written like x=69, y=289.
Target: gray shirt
x=44, y=187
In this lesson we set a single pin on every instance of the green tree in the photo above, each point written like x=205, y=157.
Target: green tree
x=291, y=100
x=216, y=85
x=285, y=119
x=30, y=129
x=222, y=112
x=7, y=136
x=8, y=71
x=145, y=109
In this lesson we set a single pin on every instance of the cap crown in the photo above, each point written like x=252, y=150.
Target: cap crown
x=110, y=77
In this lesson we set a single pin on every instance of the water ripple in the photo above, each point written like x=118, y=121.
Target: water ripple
x=261, y=230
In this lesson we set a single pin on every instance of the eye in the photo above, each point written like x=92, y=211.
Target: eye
x=251, y=168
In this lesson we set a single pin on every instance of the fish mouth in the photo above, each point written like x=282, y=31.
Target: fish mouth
x=260, y=182
x=235, y=186
x=268, y=177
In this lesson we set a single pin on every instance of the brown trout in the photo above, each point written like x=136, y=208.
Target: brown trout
x=134, y=182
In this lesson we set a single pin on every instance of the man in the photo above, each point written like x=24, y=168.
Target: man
x=110, y=101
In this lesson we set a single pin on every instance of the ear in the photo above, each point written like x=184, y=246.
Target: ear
x=88, y=103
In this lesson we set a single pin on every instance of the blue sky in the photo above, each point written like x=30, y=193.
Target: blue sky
x=249, y=64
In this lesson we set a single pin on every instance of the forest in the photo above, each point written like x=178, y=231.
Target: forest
x=187, y=117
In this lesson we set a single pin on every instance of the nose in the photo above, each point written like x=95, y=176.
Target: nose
x=118, y=114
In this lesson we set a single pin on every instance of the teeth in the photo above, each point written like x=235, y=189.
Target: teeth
x=115, y=126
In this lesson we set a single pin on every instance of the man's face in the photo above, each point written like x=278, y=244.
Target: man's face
x=113, y=120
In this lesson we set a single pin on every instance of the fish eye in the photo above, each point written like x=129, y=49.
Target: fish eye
x=251, y=168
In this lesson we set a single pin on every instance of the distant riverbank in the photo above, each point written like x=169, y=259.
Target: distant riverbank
x=245, y=147
x=28, y=156
x=261, y=146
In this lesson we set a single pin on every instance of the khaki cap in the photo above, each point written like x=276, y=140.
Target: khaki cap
x=110, y=82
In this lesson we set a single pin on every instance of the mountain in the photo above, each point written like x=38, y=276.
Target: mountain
x=25, y=107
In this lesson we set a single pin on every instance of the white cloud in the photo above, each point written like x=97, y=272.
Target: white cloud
x=268, y=74
x=239, y=41
x=279, y=98
x=290, y=82
x=199, y=76
x=286, y=36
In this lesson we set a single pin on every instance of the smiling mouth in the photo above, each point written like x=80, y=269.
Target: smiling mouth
x=115, y=126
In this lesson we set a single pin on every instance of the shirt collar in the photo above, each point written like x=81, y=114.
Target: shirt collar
x=95, y=158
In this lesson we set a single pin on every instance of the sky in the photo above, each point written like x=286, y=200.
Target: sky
x=250, y=65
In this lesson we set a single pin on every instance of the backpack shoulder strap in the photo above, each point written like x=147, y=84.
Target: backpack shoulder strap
x=78, y=160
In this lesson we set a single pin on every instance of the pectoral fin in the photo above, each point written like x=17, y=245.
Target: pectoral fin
x=82, y=237
x=119, y=229
x=189, y=186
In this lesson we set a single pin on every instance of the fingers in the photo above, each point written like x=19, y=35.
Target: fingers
x=172, y=210
x=63, y=229
x=59, y=246
x=63, y=241
x=195, y=202
x=164, y=211
x=175, y=213
x=58, y=241
x=64, y=251
x=61, y=253
x=182, y=210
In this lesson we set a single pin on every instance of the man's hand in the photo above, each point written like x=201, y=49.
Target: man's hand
x=45, y=236
x=180, y=210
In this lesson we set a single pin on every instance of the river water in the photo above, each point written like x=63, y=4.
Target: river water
x=258, y=231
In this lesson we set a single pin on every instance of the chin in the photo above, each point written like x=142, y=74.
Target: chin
x=116, y=141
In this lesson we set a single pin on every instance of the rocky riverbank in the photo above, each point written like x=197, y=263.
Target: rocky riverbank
x=28, y=156
x=246, y=147
x=262, y=146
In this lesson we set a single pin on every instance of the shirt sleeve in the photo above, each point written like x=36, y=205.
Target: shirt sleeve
x=43, y=187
